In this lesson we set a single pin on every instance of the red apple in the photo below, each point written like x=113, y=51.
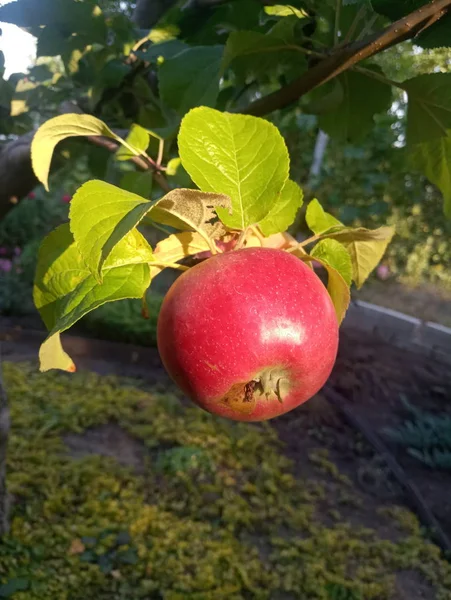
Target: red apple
x=249, y=334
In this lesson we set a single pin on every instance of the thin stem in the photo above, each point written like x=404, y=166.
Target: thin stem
x=368, y=27
x=378, y=76
x=242, y=238
x=355, y=22
x=144, y=308
x=306, y=242
x=211, y=244
x=160, y=153
x=162, y=181
x=337, y=21
x=257, y=234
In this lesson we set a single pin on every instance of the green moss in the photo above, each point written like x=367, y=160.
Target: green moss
x=215, y=511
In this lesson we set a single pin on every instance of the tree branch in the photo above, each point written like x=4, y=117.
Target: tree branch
x=139, y=161
x=16, y=175
x=349, y=55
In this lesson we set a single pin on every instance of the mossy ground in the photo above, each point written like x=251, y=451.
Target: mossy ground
x=213, y=512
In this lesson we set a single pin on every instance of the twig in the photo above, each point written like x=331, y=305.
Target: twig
x=349, y=55
x=412, y=492
x=241, y=239
x=355, y=22
x=160, y=153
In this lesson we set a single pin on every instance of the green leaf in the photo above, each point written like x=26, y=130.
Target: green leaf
x=318, y=220
x=101, y=214
x=65, y=290
x=435, y=36
x=366, y=248
x=53, y=356
x=138, y=139
x=113, y=72
x=240, y=156
x=325, y=98
x=433, y=159
x=429, y=109
x=29, y=13
x=191, y=78
x=191, y=209
x=163, y=50
x=335, y=255
x=363, y=97
x=284, y=212
x=279, y=10
x=138, y=182
x=258, y=54
x=57, y=129
x=336, y=286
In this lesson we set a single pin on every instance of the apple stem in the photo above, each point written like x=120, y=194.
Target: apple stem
x=257, y=234
x=306, y=242
x=242, y=238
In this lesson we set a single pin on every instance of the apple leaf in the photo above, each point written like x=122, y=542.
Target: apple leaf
x=57, y=129
x=191, y=78
x=138, y=139
x=64, y=289
x=363, y=97
x=318, y=220
x=433, y=159
x=279, y=10
x=53, y=356
x=138, y=182
x=429, y=108
x=335, y=255
x=191, y=209
x=164, y=50
x=101, y=215
x=241, y=156
x=336, y=286
x=284, y=212
x=366, y=248
x=256, y=53
x=177, y=246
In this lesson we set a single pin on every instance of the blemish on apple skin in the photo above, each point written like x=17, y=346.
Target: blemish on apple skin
x=212, y=367
x=241, y=398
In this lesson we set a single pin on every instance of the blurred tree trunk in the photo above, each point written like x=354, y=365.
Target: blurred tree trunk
x=16, y=174
x=4, y=433
x=322, y=140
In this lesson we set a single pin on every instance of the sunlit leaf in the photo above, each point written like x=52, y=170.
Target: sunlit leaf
x=101, y=215
x=318, y=220
x=284, y=212
x=240, y=156
x=57, y=129
x=65, y=290
x=366, y=248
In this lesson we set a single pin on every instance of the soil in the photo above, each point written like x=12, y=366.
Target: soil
x=370, y=375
